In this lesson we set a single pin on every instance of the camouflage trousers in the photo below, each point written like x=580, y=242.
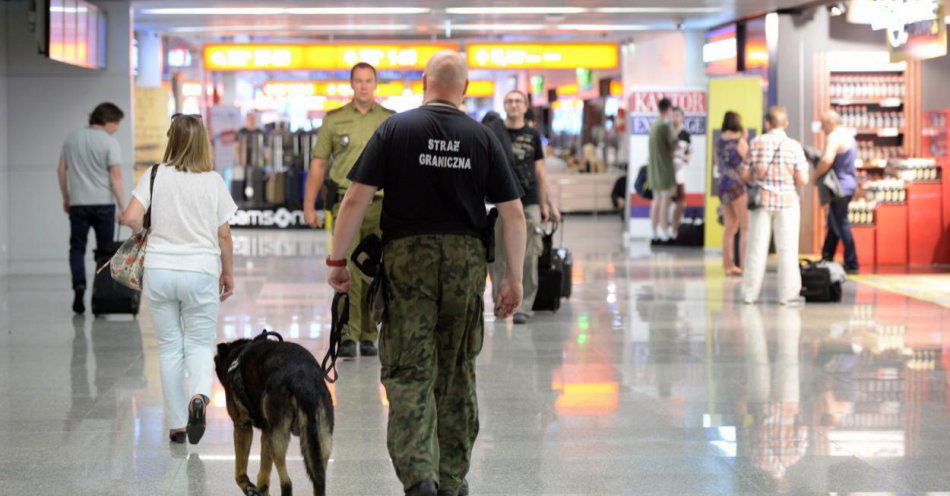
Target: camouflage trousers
x=432, y=332
x=361, y=326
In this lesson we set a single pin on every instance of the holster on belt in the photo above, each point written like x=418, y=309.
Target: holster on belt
x=488, y=237
x=333, y=194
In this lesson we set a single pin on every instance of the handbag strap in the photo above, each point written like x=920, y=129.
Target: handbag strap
x=147, y=222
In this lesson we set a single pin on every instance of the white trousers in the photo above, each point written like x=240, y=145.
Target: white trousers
x=184, y=308
x=762, y=223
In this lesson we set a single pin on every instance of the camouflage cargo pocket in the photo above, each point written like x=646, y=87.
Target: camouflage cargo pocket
x=475, y=329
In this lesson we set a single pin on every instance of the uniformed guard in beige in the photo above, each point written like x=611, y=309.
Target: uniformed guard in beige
x=341, y=140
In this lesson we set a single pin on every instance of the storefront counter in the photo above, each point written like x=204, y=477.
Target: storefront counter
x=583, y=192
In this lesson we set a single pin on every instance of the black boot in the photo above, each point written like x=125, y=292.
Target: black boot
x=424, y=488
x=347, y=349
x=368, y=348
x=461, y=491
x=78, y=306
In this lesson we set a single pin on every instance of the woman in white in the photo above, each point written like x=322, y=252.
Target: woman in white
x=188, y=269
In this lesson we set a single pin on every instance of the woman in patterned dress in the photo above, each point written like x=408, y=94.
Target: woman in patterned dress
x=732, y=150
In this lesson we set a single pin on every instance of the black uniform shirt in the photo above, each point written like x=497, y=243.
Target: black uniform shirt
x=527, y=148
x=437, y=166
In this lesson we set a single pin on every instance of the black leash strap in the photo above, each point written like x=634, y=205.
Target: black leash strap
x=339, y=316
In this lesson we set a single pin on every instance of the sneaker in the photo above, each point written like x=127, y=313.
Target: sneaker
x=748, y=301
x=347, y=349
x=78, y=306
x=520, y=318
x=368, y=348
x=794, y=302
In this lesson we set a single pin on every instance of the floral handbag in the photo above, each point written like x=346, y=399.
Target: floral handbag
x=128, y=263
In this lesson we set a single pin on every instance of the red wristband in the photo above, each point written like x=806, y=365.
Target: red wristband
x=336, y=263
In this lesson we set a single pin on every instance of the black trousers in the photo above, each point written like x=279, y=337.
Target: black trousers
x=839, y=229
x=101, y=218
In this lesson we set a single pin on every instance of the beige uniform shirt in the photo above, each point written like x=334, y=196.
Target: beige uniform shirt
x=343, y=136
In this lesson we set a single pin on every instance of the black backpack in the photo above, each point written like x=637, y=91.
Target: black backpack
x=817, y=286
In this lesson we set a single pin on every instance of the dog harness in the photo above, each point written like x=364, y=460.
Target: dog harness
x=237, y=380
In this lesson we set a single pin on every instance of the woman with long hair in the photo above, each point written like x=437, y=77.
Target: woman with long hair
x=732, y=149
x=188, y=269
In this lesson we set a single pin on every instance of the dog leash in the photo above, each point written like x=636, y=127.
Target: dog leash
x=339, y=316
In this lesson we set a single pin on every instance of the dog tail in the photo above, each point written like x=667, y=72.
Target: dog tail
x=315, y=443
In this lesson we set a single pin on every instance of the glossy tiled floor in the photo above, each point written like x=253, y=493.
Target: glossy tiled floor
x=650, y=380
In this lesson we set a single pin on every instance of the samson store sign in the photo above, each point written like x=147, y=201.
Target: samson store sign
x=645, y=107
x=265, y=218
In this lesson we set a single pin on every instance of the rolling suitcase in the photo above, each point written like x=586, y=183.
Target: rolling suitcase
x=551, y=275
x=108, y=296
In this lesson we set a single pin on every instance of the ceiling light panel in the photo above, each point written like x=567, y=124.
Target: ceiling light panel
x=657, y=10
x=603, y=27
x=499, y=27
x=286, y=11
x=515, y=10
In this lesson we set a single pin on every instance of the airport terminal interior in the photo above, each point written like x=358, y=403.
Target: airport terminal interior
x=643, y=369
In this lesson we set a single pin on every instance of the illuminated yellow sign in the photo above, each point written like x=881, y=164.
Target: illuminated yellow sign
x=543, y=56
x=318, y=57
x=277, y=89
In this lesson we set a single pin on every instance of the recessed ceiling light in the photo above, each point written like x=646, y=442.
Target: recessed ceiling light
x=313, y=27
x=285, y=10
x=498, y=27
x=515, y=10
x=217, y=29
x=356, y=27
x=657, y=10
x=603, y=27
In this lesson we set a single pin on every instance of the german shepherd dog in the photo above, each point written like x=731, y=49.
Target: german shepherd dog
x=279, y=388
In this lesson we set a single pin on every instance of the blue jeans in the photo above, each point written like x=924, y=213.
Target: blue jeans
x=839, y=228
x=184, y=308
x=101, y=218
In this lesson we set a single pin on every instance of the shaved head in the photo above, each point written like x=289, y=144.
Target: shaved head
x=777, y=117
x=830, y=121
x=446, y=77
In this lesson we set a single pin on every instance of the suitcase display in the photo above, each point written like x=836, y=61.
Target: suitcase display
x=108, y=296
x=294, y=188
x=275, y=191
x=254, y=189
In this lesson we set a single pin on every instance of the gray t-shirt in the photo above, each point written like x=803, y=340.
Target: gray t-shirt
x=88, y=153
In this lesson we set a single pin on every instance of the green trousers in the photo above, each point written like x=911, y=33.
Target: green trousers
x=361, y=326
x=431, y=335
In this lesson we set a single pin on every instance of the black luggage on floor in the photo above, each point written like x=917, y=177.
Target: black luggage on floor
x=554, y=274
x=550, y=281
x=108, y=296
x=818, y=285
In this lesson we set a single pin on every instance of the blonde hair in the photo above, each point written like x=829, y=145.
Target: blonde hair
x=188, y=148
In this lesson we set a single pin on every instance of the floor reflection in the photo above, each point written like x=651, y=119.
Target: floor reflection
x=651, y=379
